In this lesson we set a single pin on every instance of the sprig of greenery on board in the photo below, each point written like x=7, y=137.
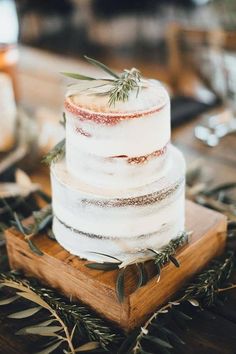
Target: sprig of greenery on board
x=161, y=257
x=66, y=322
x=167, y=253
x=117, y=87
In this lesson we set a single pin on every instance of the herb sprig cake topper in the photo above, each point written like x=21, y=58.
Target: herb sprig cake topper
x=116, y=87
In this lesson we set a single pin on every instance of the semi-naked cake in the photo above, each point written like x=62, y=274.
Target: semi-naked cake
x=120, y=190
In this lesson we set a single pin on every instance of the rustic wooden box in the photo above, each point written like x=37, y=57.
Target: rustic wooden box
x=68, y=273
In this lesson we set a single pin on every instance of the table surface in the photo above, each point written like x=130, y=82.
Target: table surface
x=209, y=332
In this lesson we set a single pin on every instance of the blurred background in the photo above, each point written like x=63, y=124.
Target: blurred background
x=190, y=45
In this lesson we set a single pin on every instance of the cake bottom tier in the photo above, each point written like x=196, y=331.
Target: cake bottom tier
x=88, y=221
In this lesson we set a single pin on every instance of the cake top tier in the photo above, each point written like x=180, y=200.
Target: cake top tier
x=151, y=96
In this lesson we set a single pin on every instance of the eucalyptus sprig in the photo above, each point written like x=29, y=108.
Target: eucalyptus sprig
x=54, y=327
x=73, y=317
x=117, y=88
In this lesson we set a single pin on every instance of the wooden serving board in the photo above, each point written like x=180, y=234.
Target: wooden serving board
x=96, y=288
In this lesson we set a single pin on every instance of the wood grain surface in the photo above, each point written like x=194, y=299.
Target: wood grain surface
x=98, y=288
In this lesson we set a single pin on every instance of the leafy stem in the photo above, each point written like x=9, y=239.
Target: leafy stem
x=160, y=258
x=42, y=220
x=57, y=153
x=205, y=287
x=118, y=88
x=30, y=295
x=227, y=288
x=89, y=326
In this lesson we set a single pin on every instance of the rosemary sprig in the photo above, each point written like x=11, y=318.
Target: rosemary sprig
x=121, y=88
x=117, y=88
x=166, y=253
x=56, y=154
x=205, y=286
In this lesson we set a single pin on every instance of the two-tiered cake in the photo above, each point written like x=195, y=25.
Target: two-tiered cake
x=121, y=188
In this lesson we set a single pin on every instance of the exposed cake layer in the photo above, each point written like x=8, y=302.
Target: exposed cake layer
x=89, y=219
x=117, y=172
x=118, y=147
x=83, y=245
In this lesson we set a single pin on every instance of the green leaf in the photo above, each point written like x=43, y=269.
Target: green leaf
x=25, y=313
x=193, y=302
x=182, y=315
x=77, y=76
x=44, y=196
x=107, y=255
x=31, y=296
x=46, y=323
x=34, y=248
x=41, y=331
x=158, y=270
x=47, y=220
x=129, y=342
x=103, y=266
x=174, y=261
x=159, y=341
x=63, y=122
x=56, y=154
x=172, y=335
x=19, y=225
x=51, y=235
x=143, y=277
x=120, y=285
x=87, y=347
x=102, y=66
x=50, y=348
x=10, y=300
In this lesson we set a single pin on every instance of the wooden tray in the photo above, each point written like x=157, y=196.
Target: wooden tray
x=68, y=273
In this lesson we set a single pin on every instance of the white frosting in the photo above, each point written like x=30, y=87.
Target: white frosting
x=153, y=94
x=115, y=172
x=126, y=214
x=123, y=249
x=120, y=189
x=92, y=147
